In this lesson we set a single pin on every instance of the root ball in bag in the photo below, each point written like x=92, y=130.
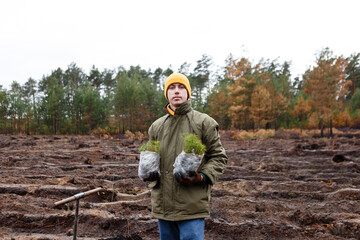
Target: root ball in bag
x=149, y=164
x=188, y=161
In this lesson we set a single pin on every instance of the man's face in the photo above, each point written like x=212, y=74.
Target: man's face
x=177, y=94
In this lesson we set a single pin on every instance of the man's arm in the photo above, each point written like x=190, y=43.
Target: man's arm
x=215, y=156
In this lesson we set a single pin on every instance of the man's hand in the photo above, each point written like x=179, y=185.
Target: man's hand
x=153, y=176
x=195, y=178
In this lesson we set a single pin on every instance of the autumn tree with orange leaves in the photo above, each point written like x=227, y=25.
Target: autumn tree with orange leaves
x=326, y=86
x=301, y=110
x=240, y=90
x=261, y=106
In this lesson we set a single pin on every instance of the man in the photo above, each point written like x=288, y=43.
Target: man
x=182, y=203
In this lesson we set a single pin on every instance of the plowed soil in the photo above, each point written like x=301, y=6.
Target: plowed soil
x=272, y=189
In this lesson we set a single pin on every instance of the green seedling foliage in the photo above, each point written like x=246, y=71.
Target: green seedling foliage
x=151, y=146
x=192, y=144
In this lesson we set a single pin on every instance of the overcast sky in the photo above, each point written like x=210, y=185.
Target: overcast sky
x=39, y=36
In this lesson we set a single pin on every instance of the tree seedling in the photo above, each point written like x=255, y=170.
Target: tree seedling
x=192, y=144
x=151, y=146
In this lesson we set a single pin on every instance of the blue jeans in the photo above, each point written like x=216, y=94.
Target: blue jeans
x=182, y=230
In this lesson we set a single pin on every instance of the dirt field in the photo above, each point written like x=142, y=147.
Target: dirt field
x=272, y=189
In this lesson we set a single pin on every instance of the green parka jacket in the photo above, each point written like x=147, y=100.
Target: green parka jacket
x=170, y=200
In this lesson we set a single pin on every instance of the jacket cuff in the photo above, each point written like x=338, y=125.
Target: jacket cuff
x=206, y=179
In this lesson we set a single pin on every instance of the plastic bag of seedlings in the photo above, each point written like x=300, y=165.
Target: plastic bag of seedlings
x=149, y=165
x=188, y=161
x=187, y=164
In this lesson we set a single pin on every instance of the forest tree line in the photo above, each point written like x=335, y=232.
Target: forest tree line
x=241, y=95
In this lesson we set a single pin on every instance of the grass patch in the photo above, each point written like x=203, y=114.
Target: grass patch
x=260, y=134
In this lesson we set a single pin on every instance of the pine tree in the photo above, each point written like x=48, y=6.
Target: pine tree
x=301, y=110
x=4, y=104
x=94, y=112
x=29, y=90
x=353, y=73
x=326, y=86
x=240, y=90
x=219, y=107
x=260, y=106
x=355, y=109
x=16, y=107
x=200, y=81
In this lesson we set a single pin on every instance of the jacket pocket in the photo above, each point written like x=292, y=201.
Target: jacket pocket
x=193, y=199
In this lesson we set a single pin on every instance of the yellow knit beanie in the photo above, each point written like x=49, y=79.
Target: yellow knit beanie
x=177, y=78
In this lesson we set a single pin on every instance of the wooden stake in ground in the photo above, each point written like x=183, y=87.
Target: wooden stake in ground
x=77, y=197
